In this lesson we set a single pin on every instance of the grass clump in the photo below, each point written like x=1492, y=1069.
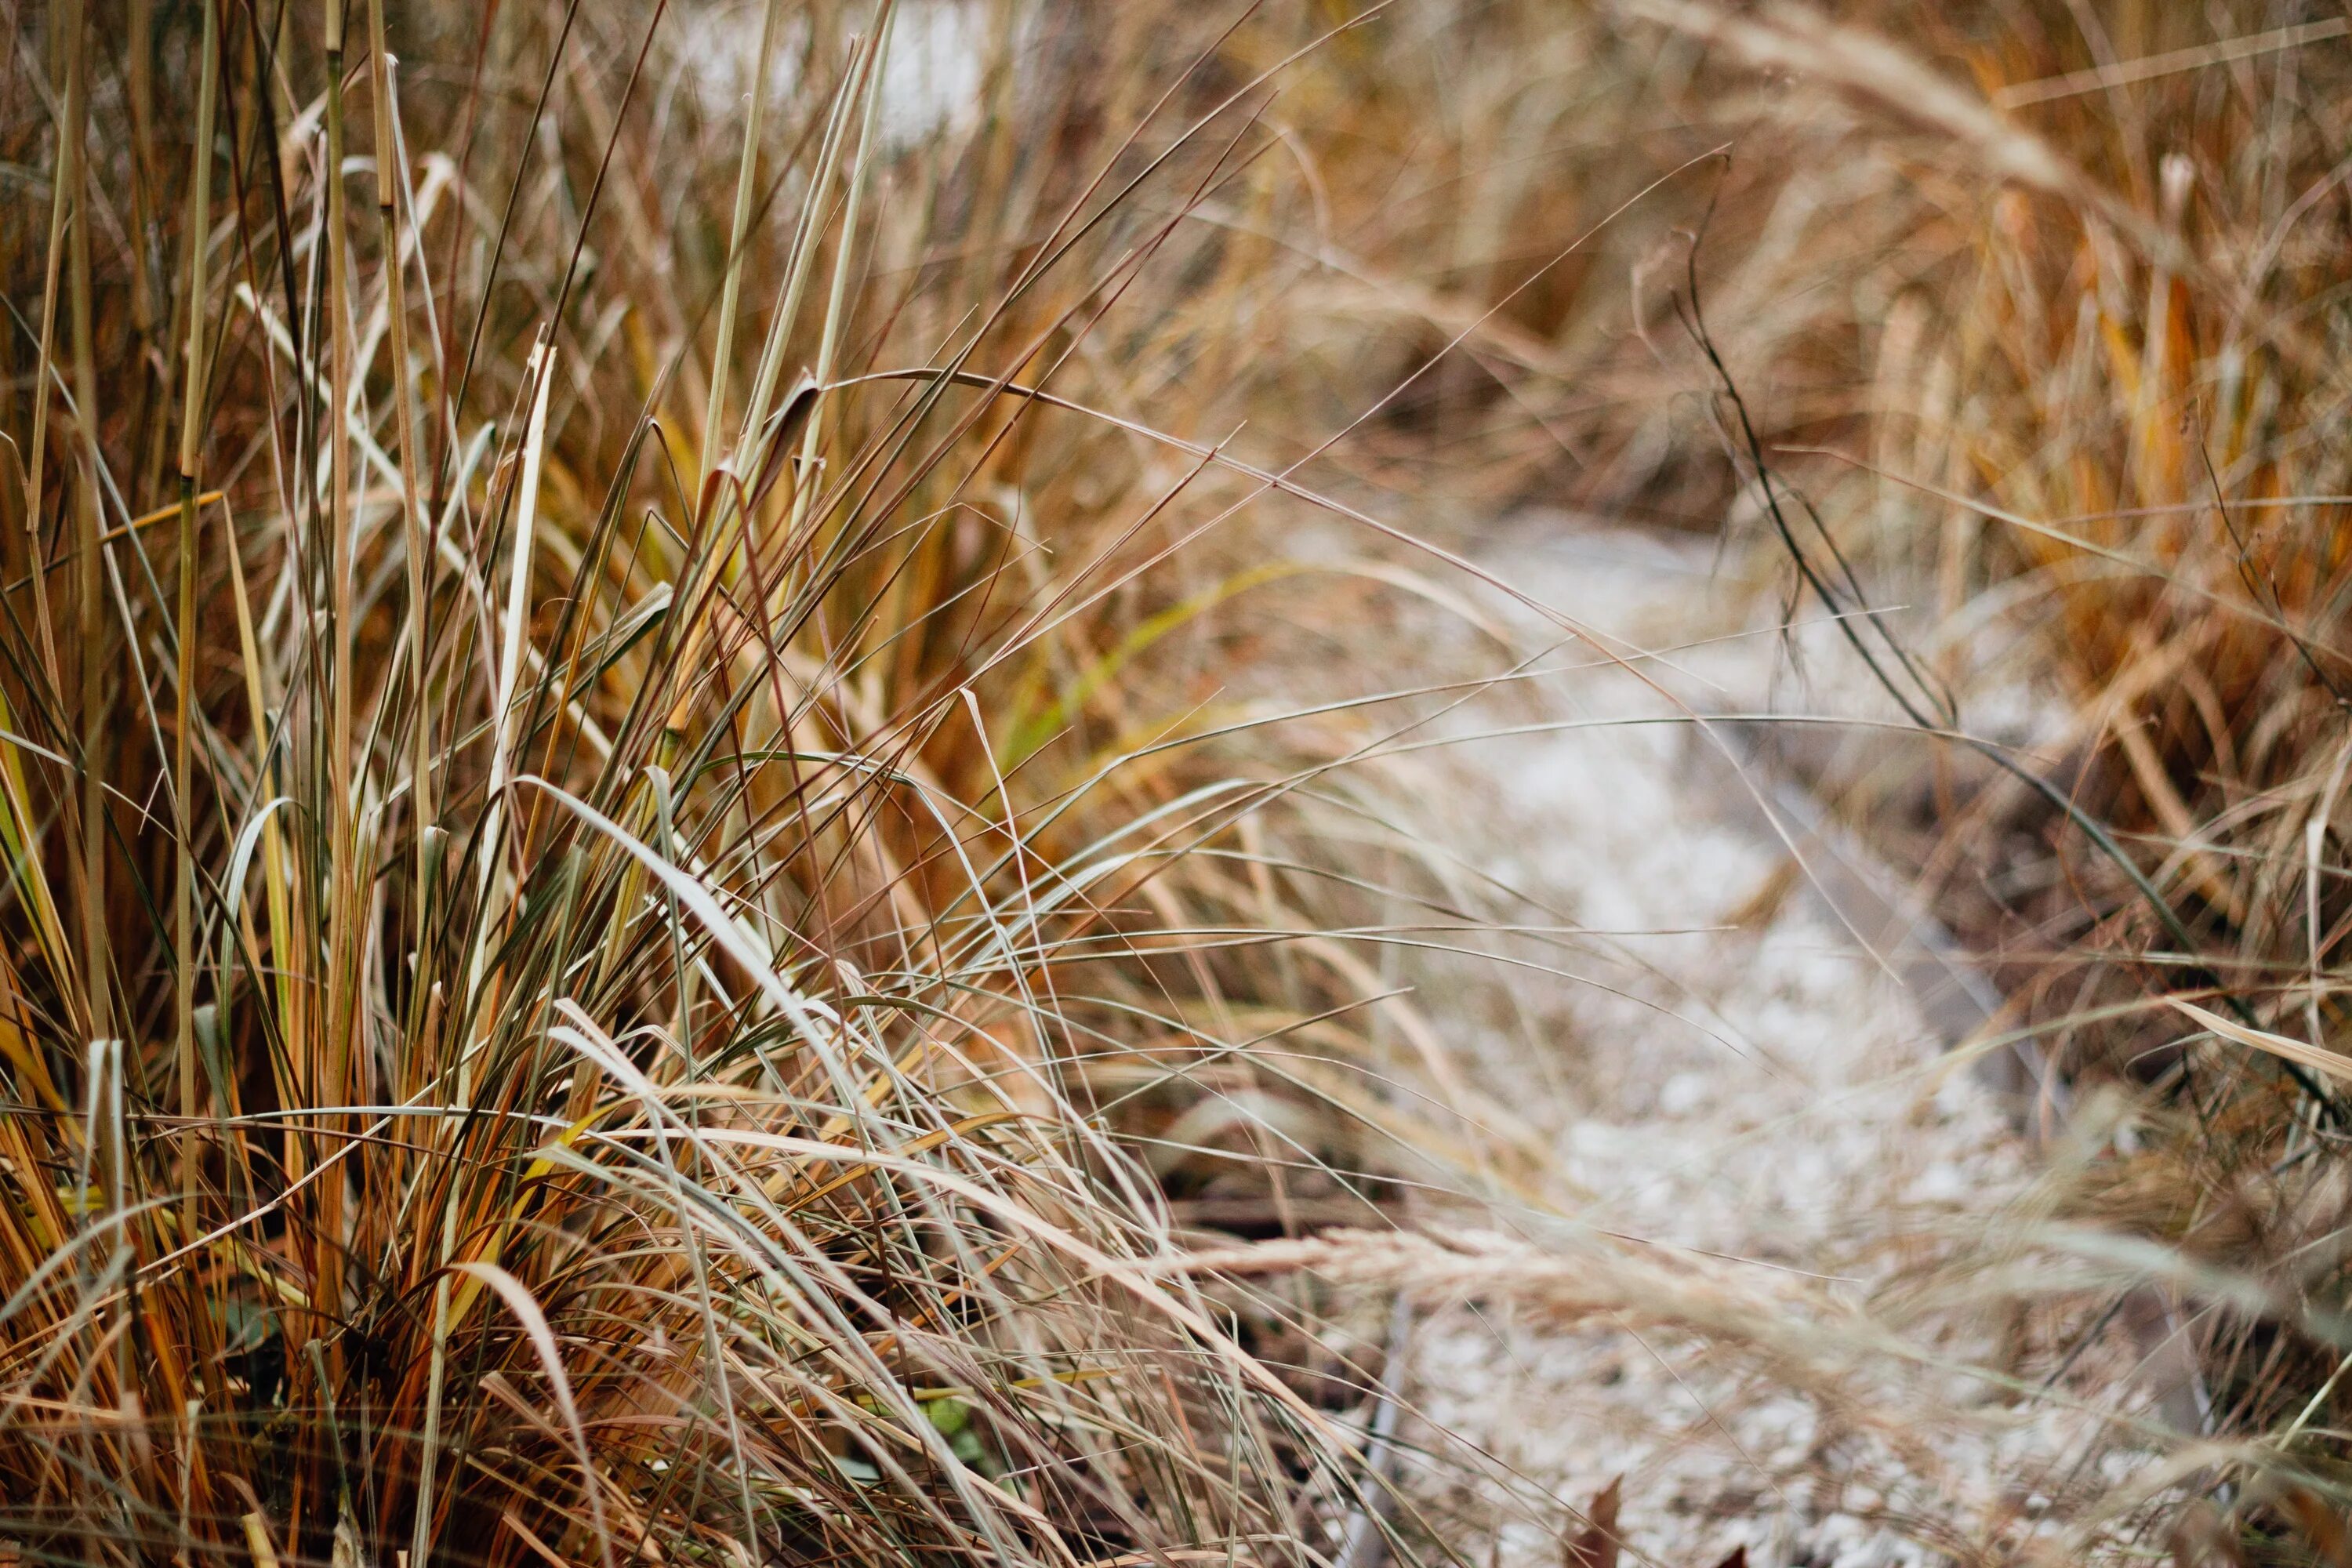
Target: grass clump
x=586, y=899
x=2054, y=367
x=651, y=912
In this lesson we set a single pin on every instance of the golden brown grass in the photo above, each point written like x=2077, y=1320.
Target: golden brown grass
x=630, y=856
x=594, y=900
x=2038, y=306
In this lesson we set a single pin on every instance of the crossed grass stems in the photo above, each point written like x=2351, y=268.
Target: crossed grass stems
x=802, y=897
x=613, y=1073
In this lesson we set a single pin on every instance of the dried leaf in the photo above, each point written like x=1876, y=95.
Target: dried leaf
x=1595, y=1546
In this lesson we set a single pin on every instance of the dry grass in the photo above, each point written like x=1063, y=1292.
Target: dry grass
x=599, y=928
x=2048, y=348
x=640, y=892
x=2034, y=312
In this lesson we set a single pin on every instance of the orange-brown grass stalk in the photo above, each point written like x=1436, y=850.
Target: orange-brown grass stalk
x=589, y=903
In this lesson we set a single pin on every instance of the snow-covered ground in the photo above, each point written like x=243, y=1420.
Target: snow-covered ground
x=1740, y=1067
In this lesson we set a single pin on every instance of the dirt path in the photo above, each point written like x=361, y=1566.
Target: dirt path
x=1732, y=1069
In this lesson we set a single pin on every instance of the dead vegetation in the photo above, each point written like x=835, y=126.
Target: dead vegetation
x=647, y=918
x=2084, y=267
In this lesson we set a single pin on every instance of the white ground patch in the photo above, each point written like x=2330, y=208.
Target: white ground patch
x=931, y=69
x=1770, y=1092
